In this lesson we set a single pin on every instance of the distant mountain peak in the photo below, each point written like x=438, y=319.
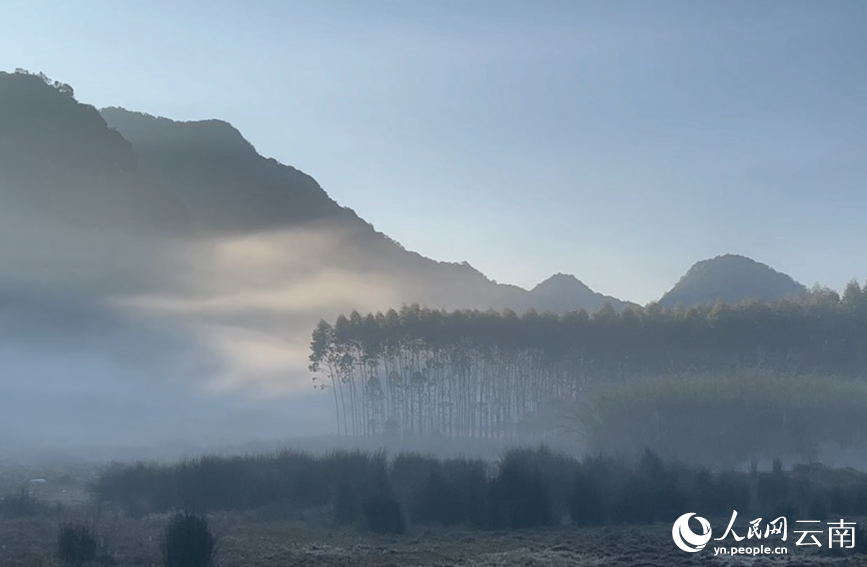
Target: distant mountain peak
x=731, y=278
x=207, y=135
x=564, y=292
x=561, y=281
x=732, y=259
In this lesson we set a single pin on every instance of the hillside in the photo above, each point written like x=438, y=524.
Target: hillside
x=730, y=278
x=147, y=260
x=218, y=175
x=145, y=256
x=230, y=188
x=65, y=163
x=59, y=160
x=564, y=292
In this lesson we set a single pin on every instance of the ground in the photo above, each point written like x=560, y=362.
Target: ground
x=277, y=538
x=247, y=541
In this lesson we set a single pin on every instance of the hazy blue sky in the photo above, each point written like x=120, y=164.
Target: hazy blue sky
x=619, y=141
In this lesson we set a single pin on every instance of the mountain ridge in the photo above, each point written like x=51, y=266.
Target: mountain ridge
x=205, y=175
x=50, y=142
x=159, y=141
x=146, y=257
x=730, y=278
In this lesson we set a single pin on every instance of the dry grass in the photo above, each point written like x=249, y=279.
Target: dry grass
x=278, y=537
x=244, y=540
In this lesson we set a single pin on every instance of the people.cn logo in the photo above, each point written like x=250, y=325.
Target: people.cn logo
x=685, y=538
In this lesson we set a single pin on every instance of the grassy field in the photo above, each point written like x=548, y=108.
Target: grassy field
x=281, y=535
x=251, y=541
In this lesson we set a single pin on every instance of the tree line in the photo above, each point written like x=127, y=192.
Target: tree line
x=525, y=488
x=498, y=374
x=59, y=86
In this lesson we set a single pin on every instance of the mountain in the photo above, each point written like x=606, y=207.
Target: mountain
x=220, y=177
x=230, y=188
x=563, y=292
x=59, y=159
x=732, y=279
x=88, y=183
x=148, y=260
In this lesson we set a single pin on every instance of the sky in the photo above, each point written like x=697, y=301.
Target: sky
x=620, y=141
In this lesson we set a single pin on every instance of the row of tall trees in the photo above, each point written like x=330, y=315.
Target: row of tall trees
x=498, y=374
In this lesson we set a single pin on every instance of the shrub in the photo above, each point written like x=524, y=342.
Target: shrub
x=440, y=501
x=343, y=466
x=817, y=509
x=345, y=505
x=75, y=545
x=731, y=491
x=376, y=478
x=20, y=505
x=530, y=487
x=586, y=506
x=383, y=515
x=408, y=473
x=188, y=542
x=468, y=477
x=557, y=473
x=773, y=488
x=214, y=483
x=519, y=496
x=649, y=499
x=848, y=501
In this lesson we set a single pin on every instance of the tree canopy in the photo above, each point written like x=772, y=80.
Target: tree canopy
x=497, y=374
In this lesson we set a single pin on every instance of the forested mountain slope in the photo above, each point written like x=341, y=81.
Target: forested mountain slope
x=730, y=278
x=230, y=188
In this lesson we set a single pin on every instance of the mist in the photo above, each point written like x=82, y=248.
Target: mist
x=137, y=339
x=307, y=283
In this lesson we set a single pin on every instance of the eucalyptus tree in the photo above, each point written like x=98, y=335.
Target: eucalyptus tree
x=496, y=373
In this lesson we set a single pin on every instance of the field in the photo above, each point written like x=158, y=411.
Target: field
x=252, y=542
x=277, y=536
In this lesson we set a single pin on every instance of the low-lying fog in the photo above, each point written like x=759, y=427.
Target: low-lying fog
x=117, y=339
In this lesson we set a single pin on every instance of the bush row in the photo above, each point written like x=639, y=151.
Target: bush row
x=528, y=487
x=186, y=542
